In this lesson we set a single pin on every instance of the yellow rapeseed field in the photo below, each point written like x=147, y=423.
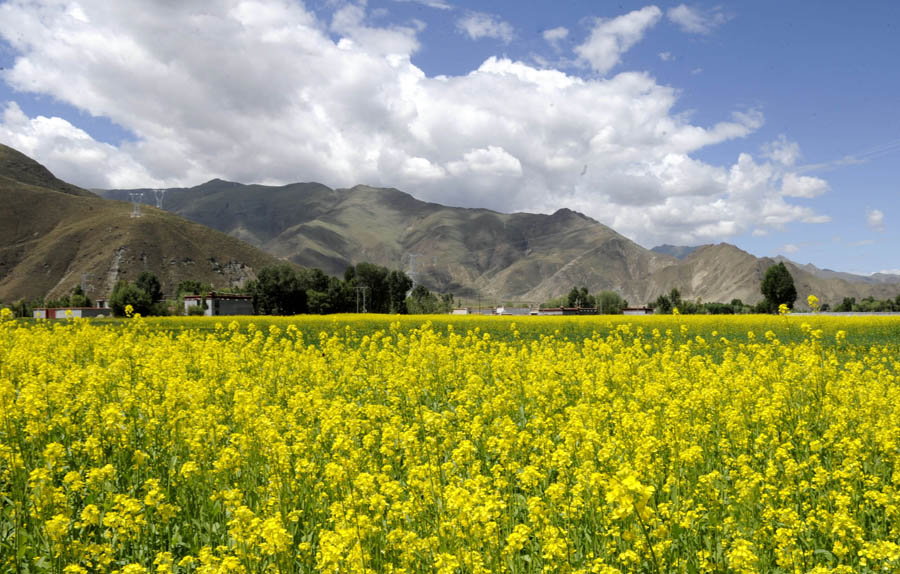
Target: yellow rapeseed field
x=674, y=444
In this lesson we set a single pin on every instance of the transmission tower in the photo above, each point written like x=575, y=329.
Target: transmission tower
x=136, y=198
x=158, y=194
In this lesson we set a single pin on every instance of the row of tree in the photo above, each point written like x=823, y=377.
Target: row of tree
x=288, y=290
x=666, y=305
x=365, y=287
x=867, y=305
x=777, y=288
x=606, y=302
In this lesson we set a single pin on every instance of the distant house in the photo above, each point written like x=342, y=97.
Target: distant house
x=70, y=312
x=480, y=311
x=214, y=304
x=568, y=311
x=637, y=311
x=461, y=311
x=517, y=311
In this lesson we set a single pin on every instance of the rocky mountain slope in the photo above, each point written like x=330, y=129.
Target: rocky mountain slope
x=53, y=234
x=478, y=252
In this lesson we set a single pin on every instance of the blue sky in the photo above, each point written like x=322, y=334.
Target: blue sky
x=773, y=126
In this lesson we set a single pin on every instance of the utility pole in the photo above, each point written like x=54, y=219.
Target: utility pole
x=363, y=289
x=159, y=193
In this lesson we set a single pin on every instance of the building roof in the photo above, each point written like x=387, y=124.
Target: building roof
x=214, y=295
x=68, y=308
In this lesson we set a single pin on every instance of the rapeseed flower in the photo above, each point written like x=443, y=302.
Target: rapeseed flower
x=354, y=444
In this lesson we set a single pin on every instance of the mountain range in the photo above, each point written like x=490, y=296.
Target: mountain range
x=482, y=253
x=54, y=235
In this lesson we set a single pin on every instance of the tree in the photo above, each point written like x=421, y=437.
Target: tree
x=609, y=303
x=331, y=297
x=580, y=298
x=422, y=301
x=777, y=287
x=126, y=293
x=665, y=303
x=385, y=289
x=192, y=287
x=662, y=305
x=398, y=284
x=278, y=290
x=149, y=284
x=78, y=298
x=374, y=279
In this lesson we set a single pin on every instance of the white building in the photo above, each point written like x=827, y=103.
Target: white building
x=518, y=311
x=637, y=311
x=70, y=312
x=219, y=304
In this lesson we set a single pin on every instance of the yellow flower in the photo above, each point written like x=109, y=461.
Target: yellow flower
x=57, y=528
x=813, y=303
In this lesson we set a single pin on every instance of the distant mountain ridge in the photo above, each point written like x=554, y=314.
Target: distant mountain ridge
x=54, y=235
x=16, y=167
x=478, y=252
x=677, y=251
x=873, y=279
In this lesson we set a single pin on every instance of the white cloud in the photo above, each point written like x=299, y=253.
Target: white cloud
x=666, y=56
x=875, y=219
x=783, y=151
x=554, y=36
x=350, y=22
x=479, y=25
x=790, y=248
x=696, y=21
x=890, y=271
x=419, y=168
x=72, y=153
x=793, y=185
x=260, y=90
x=611, y=38
x=436, y=4
x=490, y=161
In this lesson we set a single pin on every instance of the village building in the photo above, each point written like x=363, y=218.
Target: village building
x=516, y=311
x=637, y=311
x=568, y=311
x=214, y=304
x=70, y=312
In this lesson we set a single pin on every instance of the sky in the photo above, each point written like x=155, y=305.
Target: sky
x=774, y=126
